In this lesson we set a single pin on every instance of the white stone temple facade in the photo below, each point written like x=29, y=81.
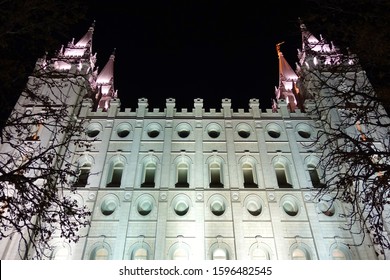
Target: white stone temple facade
x=199, y=184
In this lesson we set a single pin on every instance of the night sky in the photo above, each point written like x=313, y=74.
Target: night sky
x=194, y=49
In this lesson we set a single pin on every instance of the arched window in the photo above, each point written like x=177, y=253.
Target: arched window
x=340, y=252
x=220, y=254
x=247, y=171
x=300, y=253
x=314, y=177
x=260, y=253
x=282, y=176
x=84, y=171
x=35, y=129
x=61, y=253
x=115, y=178
x=215, y=175
x=179, y=250
x=99, y=253
x=180, y=254
x=140, y=254
x=149, y=175
x=182, y=175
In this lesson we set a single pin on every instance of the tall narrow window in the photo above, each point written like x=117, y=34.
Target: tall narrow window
x=150, y=173
x=215, y=175
x=281, y=176
x=35, y=130
x=247, y=171
x=182, y=175
x=314, y=177
x=116, y=175
x=84, y=171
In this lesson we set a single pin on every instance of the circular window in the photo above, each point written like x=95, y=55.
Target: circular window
x=183, y=130
x=217, y=204
x=183, y=133
x=108, y=206
x=244, y=130
x=274, y=130
x=253, y=208
x=217, y=208
x=153, y=130
x=213, y=130
x=304, y=130
x=326, y=208
x=181, y=204
x=145, y=206
x=93, y=130
x=253, y=205
x=181, y=208
x=123, y=130
x=290, y=206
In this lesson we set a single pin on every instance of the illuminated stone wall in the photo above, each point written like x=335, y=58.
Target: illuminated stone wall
x=249, y=215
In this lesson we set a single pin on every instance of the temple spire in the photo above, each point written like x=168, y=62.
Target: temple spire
x=79, y=53
x=287, y=81
x=87, y=38
x=105, y=84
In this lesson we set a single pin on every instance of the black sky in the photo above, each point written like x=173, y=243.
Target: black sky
x=190, y=49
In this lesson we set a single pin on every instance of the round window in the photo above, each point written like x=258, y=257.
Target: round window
x=93, y=130
x=254, y=208
x=153, y=130
x=183, y=130
x=145, y=207
x=304, y=130
x=108, y=207
x=213, y=130
x=290, y=206
x=217, y=207
x=326, y=208
x=123, y=130
x=274, y=130
x=181, y=208
x=243, y=130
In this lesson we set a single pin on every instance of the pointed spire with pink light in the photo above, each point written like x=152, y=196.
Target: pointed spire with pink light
x=317, y=51
x=287, y=89
x=105, y=84
x=79, y=53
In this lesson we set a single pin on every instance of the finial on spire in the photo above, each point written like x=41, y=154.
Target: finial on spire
x=278, y=48
x=112, y=56
x=302, y=25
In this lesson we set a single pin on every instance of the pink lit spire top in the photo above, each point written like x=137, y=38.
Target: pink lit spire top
x=105, y=84
x=83, y=48
x=287, y=89
x=87, y=38
x=79, y=54
x=317, y=49
x=286, y=73
x=107, y=74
